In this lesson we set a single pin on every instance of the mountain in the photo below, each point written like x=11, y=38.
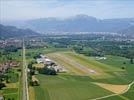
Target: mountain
x=11, y=31
x=79, y=23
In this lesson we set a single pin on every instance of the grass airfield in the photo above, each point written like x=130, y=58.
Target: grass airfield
x=81, y=65
x=78, y=83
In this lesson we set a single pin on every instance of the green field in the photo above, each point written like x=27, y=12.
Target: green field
x=77, y=82
x=15, y=56
x=66, y=87
x=30, y=53
x=80, y=63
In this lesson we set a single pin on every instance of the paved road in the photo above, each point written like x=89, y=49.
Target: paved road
x=25, y=95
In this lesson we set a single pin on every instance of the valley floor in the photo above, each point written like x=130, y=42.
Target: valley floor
x=86, y=79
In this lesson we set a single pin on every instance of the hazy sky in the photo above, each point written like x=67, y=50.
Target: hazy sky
x=30, y=9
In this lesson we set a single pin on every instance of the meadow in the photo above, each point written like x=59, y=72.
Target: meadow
x=67, y=87
x=78, y=83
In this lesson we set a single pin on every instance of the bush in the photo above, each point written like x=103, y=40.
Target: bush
x=2, y=85
x=47, y=71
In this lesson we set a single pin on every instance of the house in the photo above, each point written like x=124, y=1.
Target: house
x=14, y=64
x=35, y=81
x=4, y=67
x=48, y=61
x=1, y=98
x=101, y=58
x=43, y=59
x=42, y=56
x=39, y=60
x=50, y=64
x=57, y=68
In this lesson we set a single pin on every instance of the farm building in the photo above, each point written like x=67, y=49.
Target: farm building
x=39, y=60
x=43, y=59
x=1, y=98
x=35, y=81
x=50, y=64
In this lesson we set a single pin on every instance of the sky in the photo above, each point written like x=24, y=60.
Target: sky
x=33, y=9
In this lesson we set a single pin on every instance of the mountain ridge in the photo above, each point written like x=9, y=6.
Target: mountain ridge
x=79, y=23
x=12, y=31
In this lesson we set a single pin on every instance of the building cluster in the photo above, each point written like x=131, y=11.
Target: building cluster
x=35, y=42
x=10, y=42
x=101, y=58
x=5, y=66
x=50, y=64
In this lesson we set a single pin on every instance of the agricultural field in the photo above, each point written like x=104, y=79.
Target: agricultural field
x=86, y=78
x=67, y=87
x=13, y=86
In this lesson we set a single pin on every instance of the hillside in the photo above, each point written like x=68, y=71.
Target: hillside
x=79, y=23
x=11, y=31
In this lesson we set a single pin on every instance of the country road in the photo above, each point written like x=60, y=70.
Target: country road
x=25, y=95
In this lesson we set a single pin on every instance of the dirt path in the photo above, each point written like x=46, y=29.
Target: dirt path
x=117, y=89
x=116, y=94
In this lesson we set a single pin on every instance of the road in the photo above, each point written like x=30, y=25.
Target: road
x=25, y=95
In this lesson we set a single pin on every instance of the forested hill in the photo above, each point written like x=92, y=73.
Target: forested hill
x=11, y=31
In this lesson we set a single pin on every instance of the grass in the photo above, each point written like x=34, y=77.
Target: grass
x=31, y=93
x=68, y=65
x=11, y=93
x=11, y=96
x=126, y=96
x=77, y=85
x=73, y=60
x=130, y=93
x=30, y=53
x=86, y=61
x=66, y=87
x=12, y=89
x=16, y=56
x=38, y=65
x=12, y=75
x=122, y=77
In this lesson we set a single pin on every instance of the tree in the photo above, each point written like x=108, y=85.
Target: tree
x=2, y=85
x=123, y=68
x=10, y=49
x=48, y=71
x=131, y=60
x=35, y=83
x=124, y=63
x=30, y=65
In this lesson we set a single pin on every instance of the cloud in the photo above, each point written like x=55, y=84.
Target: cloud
x=30, y=9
